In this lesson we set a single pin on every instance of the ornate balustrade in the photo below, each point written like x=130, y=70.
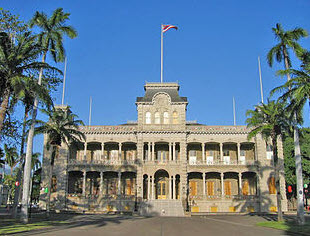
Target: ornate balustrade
x=103, y=162
x=218, y=162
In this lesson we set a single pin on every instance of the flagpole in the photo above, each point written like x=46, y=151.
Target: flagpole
x=90, y=103
x=234, y=110
x=161, y=53
x=64, y=83
x=261, y=82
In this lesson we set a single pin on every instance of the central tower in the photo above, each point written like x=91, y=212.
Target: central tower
x=161, y=108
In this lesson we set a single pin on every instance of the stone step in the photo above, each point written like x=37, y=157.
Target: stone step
x=161, y=208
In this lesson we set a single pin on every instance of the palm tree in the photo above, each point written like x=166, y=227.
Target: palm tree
x=62, y=128
x=14, y=61
x=11, y=157
x=51, y=40
x=270, y=120
x=288, y=40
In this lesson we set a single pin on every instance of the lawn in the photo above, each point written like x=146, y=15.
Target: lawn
x=289, y=226
x=9, y=226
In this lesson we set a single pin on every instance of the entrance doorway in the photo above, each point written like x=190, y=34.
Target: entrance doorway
x=162, y=184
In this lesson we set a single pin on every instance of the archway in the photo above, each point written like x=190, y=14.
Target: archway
x=162, y=185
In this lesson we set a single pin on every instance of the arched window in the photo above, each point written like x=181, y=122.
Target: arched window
x=166, y=117
x=54, y=184
x=148, y=118
x=175, y=118
x=272, y=185
x=157, y=118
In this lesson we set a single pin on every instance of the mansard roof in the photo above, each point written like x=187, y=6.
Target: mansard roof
x=172, y=89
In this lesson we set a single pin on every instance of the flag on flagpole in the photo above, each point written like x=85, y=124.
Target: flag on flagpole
x=168, y=27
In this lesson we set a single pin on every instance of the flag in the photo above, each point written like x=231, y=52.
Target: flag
x=168, y=27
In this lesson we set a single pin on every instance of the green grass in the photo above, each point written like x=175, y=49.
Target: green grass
x=288, y=226
x=10, y=226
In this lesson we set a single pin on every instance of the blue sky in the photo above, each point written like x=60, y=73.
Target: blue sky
x=213, y=55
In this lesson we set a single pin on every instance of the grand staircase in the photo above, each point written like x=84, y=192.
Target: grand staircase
x=161, y=208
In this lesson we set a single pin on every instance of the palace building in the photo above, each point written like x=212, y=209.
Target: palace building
x=163, y=164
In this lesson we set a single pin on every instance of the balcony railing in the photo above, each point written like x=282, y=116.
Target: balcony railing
x=219, y=162
x=103, y=162
x=219, y=197
x=161, y=162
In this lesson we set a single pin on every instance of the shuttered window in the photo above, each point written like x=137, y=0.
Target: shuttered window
x=227, y=188
x=245, y=187
x=210, y=188
x=272, y=185
x=193, y=188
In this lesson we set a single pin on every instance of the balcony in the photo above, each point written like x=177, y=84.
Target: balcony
x=222, y=163
x=104, y=162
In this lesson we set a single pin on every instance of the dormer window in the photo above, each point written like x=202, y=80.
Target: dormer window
x=157, y=118
x=148, y=118
x=166, y=118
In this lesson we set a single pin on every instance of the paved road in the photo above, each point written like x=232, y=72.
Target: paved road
x=166, y=226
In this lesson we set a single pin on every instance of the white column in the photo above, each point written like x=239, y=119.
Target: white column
x=101, y=183
x=170, y=188
x=203, y=153
x=240, y=183
x=238, y=150
x=119, y=183
x=84, y=183
x=173, y=186
x=153, y=151
x=173, y=154
x=204, y=184
x=149, y=151
x=170, y=153
x=85, y=150
x=102, y=150
x=119, y=151
x=152, y=188
x=222, y=183
x=149, y=187
x=221, y=152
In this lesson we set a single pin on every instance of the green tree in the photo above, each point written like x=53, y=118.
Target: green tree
x=11, y=157
x=288, y=40
x=61, y=128
x=50, y=38
x=270, y=120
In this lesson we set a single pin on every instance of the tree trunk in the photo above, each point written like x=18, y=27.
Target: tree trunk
x=4, y=106
x=298, y=164
x=27, y=168
x=277, y=177
x=50, y=176
x=20, y=170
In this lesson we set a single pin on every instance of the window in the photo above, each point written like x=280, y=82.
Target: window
x=269, y=152
x=175, y=118
x=193, y=188
x=226, y=152
x=54, y=184
x=148, y=118
x=245, y=188
x=272, y=185
x=166, y=118
x=157, y=118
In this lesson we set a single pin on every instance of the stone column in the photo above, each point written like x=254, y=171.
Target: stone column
x=170, y=188
x=84, y=183
x=170, y=152
x=101, y=183
x=149, y=187
x=240, y=183
x=102, y=150
x=222, y=183
x=204, y=184
x=153, y=151
x=221, y=152
x=119, y=151
x=173, y=186
x=119, y=183
x=149, y=151
x=152, y=188
x=203, y=153
x=173, y=153
x=85, y=150
x=238, y=154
